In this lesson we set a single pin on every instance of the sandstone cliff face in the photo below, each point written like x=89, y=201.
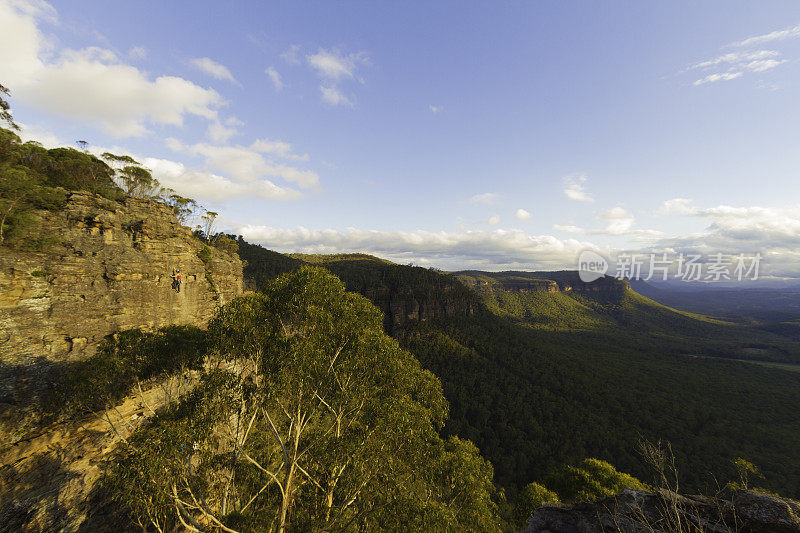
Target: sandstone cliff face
x=109, y=270
x=401, y=307
x=541, y=282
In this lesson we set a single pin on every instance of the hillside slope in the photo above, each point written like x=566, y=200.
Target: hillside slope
x=542, y=378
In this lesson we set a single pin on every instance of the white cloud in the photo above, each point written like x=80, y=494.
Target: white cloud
x=778, y=35
x=435, y=109
x=733, y=65
x=91, y=84
x=334, y=68
x=212, y=68
x=275, y=77
x=137, y=53
x=292, y=55
x=493, y=220
x=254, y=162
x=209, y=186
x=220, y=133
x=568, y=228
x=484, y=198
x=521, y=214
x=711, y=78
x=334, y=65
x=773, y=232
x=39, y=134
x=575, y=190
x=678, y=206
x=334, y=96
x=618, y=221
x=469, y=249
x=734, y=58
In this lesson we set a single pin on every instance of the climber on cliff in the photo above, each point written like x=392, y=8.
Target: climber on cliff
x=176, y=279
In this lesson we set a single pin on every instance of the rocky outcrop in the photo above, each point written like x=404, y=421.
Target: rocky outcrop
x=637, y=511
x=49, y=482
x=108, y=269
x=540, y=282
x=402, y=306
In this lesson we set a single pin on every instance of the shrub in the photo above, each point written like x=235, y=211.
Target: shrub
x=591, y=480
x=529, y=499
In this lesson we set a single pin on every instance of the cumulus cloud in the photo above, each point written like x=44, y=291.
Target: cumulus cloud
x=275, y=78
x=493, y=220
x=435, y=109
x=220, y=132
x=568, y=228
x=470, y=249
x=257, y=161
x=484, y=198
x=773, y=232
x=616, y=222
x=212, y=68
x=678, y=206
x=334, y=67
x=203, y=185
x=575, y=189
x=521, y=214
x=91, y=84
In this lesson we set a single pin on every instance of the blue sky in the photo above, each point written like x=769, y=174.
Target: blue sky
x=492, y=135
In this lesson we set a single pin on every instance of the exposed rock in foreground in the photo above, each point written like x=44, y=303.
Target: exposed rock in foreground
x=639, y=511
x=49, y=482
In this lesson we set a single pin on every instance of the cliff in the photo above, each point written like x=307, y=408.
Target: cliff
x=108, y=269
x=419, y=304
x=539, y=282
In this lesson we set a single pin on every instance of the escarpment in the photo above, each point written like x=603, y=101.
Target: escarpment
x=540, y=282
x=108, y=268
x=402, y=306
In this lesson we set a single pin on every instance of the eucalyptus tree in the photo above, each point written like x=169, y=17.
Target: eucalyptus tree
x=308, y=418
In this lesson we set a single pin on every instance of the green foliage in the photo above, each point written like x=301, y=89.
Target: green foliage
x=225, y=244
x=539, y=391
x=183, y=208
x=591, y=480
x=530, y=498
x=138, y=181
x=313, y=419
x=263, y=265
x=32, y=177
x=746, y=471
x=125, y=359
x=205, y=255
x=5, y=108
